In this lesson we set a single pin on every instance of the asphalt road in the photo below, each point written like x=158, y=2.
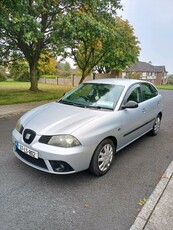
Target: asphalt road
x=30, y=199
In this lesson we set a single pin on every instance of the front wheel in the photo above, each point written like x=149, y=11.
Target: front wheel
x=102, y=158
x=156, y=126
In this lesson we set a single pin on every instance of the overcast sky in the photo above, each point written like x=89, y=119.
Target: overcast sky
x=152, y=21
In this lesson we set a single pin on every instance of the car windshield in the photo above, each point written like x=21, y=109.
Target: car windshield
x=94, y=95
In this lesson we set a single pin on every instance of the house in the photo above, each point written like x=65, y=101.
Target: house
x=146, y=71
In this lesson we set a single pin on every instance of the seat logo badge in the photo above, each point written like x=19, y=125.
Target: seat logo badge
x=27, y=136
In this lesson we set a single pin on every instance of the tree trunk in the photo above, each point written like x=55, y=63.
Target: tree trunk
x=83, y=76
x=33, y=76
x=81, y=80
x=85, y=73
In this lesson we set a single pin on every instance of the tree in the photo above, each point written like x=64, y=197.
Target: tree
x=170, y=79
x=124, y=48
x=100, y=41
x=63, y=69
x=67, y=66
x=27, y=28
x=47, y=64
x=86, y=31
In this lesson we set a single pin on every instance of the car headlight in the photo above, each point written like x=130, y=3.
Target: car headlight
x=65, y=141
x=19, y=126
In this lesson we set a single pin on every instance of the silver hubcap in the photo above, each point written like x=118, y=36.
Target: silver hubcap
x=157, y=125
x=105, y=157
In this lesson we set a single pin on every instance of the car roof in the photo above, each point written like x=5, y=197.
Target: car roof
x=116, y=81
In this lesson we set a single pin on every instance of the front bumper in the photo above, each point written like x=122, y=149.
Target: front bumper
x=53, y=159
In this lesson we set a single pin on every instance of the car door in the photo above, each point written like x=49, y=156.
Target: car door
x=132, y=119
x=151, y=103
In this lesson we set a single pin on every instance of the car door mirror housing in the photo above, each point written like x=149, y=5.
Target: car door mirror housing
x=130, y=105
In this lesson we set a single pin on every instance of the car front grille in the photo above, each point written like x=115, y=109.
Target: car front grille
x=28, y=135
x=37, y=162
x=44, y=139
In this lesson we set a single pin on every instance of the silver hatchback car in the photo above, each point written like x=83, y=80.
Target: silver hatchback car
x=87, y=126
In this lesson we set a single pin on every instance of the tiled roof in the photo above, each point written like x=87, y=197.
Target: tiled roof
x=159, y=68
x=145, y=67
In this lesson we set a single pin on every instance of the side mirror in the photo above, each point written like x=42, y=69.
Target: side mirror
x=130, y=105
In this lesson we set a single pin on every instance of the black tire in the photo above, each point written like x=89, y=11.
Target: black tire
x=102, y=158
x=156, y=126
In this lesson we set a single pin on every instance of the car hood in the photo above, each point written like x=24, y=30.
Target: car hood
x=56, y=118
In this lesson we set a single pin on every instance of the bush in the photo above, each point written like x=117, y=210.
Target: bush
x=2, y=74
x=134, y=75
x=48, y=76
x=22, y=77
x=19, y=71
x=170, y=80
x=63, y=73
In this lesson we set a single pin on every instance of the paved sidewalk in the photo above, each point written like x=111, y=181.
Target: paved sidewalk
x=11, y=110
x=157, y=213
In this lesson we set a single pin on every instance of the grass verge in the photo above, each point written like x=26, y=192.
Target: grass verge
x=18, y=92
x=169, y=87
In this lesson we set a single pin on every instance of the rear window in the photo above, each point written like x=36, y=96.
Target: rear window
x=149, y=91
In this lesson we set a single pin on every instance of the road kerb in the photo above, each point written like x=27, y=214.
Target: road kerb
x=153, y=200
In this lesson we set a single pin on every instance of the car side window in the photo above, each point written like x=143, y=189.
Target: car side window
x=148, y=91
x=135, y=95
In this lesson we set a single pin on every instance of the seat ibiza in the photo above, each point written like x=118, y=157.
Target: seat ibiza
x=87, y=126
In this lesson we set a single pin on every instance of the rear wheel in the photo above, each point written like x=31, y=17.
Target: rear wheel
x=156, y=126
x=102, y=158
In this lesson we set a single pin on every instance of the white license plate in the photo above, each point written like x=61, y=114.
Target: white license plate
x=26, y=150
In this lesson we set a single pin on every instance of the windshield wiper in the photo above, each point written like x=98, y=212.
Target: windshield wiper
x=85, y=106
x=72, y=103
x=100, y=107
x=65, y=102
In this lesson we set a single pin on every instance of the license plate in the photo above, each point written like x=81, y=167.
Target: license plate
x=26, y=150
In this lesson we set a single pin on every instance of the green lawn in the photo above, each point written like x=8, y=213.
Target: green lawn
x=169, y=87
x=18, y=92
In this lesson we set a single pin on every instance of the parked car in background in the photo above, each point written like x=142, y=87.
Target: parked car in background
x=87, y=126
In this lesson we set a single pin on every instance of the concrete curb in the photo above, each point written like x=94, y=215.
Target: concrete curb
x=146, y=212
